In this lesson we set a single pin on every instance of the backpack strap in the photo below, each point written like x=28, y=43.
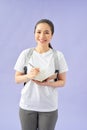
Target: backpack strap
x=56, y=63
x=29, y=54
x=55, y=59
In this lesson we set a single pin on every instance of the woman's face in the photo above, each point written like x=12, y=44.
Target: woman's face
x=43, y=34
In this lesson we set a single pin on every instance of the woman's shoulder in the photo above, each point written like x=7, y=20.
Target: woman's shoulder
x=59, y=53
x=25, y=51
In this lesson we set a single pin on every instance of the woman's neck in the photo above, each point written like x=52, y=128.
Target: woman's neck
x=42, y=49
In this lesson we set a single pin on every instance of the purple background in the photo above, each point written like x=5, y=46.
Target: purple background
x=17, y=21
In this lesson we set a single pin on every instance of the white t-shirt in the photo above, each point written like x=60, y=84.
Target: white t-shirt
x=33, y=96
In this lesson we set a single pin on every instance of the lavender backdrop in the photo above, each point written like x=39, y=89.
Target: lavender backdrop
x=17, y=20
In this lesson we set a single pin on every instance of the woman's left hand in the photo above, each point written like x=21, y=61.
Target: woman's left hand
x=43, y=83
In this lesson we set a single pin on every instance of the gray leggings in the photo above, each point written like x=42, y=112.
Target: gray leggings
x=31, y=120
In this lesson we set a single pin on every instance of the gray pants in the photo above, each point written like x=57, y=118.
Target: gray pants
x=31, y=120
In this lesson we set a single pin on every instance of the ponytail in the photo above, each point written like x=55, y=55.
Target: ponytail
x=50, y=46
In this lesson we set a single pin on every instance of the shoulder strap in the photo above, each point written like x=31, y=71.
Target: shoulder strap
x=56, y=60
x=56, y=64
x=27, y=59
x=29, y=54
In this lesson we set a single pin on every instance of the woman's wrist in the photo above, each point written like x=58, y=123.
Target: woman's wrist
x=27, y=78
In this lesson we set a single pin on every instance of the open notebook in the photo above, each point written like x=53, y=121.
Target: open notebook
x=43, y=75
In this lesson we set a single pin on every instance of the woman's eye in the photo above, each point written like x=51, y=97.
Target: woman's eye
x=46, y=32
x=39, y=32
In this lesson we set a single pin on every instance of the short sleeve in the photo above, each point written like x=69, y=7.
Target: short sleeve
x=20, y=63
x=63, y=67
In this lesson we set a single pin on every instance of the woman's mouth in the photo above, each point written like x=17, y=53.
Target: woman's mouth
x=42, y=40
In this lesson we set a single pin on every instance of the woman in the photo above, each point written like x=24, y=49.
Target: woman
x=39, y=104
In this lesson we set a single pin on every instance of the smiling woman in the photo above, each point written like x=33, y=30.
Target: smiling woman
x=45, y=28
x=38, y=102
x=43, y=36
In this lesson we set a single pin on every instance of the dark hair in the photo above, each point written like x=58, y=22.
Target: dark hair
x=49, y=23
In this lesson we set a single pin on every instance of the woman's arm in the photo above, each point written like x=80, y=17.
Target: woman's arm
x=21, y=77
x=60, y=83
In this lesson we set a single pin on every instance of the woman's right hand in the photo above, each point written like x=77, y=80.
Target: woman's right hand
x=33, y=73
x=21, y=77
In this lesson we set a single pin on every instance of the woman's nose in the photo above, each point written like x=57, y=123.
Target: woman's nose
x=42, y=35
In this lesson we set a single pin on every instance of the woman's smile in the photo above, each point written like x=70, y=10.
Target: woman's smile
x=42, y=40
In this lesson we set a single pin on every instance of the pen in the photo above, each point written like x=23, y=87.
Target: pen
x=31, y=65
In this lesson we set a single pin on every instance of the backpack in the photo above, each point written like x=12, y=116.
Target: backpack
x=29, y=54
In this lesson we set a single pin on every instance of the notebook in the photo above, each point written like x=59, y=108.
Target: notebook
x=43, y=75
